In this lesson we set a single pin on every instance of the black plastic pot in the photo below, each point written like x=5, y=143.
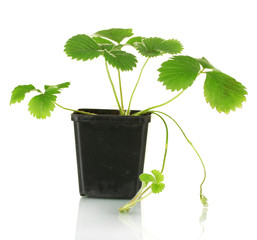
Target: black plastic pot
x=110, y=152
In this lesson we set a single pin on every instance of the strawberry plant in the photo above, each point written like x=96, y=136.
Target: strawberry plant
x=176, y=74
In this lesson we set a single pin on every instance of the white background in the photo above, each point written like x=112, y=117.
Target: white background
x=38, y=181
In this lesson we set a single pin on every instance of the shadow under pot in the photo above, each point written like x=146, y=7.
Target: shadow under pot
x=110, y=152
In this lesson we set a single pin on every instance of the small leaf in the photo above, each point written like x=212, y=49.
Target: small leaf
x=82, y=47
x=153, y=47
x=148, y=47
x=41, y=105
x=144, y=177
x=115, y=34
x=59, y=86
x=133, y=41
x=157, y=187
x=179, y=72
x=120, y=60
x=18, y=94
x=205, y=63
x=223, y=92
x=158, y=176
x=171, y=46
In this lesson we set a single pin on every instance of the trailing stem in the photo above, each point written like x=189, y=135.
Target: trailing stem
x=144, y=190
x=202, y=197
x=128, y=111
x=87, y=113
x=160, y=105
x=113, y=88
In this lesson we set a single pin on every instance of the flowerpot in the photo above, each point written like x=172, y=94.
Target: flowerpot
x=110, y=153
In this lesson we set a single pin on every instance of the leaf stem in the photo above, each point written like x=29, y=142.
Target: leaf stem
x=121, y=97
x=113, y=88
x=201, y=190
x=87, y=113
x=160, y=105
x=128, y=111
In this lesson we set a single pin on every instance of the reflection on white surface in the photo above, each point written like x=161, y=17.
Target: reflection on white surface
x=100, y=219
x=202, y=219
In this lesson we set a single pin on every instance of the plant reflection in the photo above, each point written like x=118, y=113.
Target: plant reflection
x=202, y=219
x=100, y=219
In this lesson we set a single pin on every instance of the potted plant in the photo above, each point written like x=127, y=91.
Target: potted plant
x=110, y=144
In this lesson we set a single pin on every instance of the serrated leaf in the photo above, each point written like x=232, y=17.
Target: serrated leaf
x=171, y=46
x=145, y=177
x=205, y=63
x=18, y=94
x=157, y=187
x=133, y=41
x=223, y=92
x=148, y=47
x=158, y=176
x=120, y=60
x=41, y=105
x=179, y=72
x=82, y=47
x=153, y=47
x=115, y=34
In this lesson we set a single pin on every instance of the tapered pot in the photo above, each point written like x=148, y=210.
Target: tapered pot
x=110, y=152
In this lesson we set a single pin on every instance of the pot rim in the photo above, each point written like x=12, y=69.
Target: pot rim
x=108, y=115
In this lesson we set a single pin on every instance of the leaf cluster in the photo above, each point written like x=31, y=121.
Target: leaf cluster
x=220, y=90
x=41, y=105
x=156, y=180
x=107, y=43
x=177, y=73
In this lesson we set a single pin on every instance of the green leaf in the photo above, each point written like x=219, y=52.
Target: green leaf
x=102, y=40
x=115, y=34
x=157, y=187
x=120, y=60
x=179, y=72
x=148, y=47
x=205, y=63
x=133, y=41
x=158, y=176
x=82, y=47
x=41, y=105
x=171, y=46
x=18, y=94
x=223, y=92
x=153, y=47
x=59, y=86
x=104, y=44
x=145, y=177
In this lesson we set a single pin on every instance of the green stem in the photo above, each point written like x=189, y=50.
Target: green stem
x=160, y=105
x=139, y=196
x=87, y=113
x=132, y=203
x=128, y=111
x=191, y=146
x=113, y=88
x=167, y=139
x=121, y=97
